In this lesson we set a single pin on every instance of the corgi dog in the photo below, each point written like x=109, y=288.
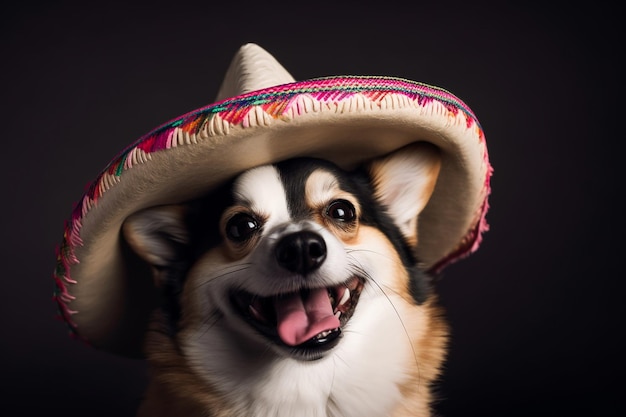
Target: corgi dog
x=294, y=291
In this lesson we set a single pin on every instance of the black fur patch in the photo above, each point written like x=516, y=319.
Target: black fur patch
x=202, y=222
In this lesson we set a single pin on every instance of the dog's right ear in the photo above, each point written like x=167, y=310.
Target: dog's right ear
x=403, y=183
x=159, y=236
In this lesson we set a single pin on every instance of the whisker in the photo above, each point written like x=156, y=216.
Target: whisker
x=382, y=255
x=406, y=332
x=224, y=273
x=210, y=321
x=332, y=379
x=360, y=270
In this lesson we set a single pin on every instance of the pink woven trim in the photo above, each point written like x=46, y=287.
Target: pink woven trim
x=472, y=240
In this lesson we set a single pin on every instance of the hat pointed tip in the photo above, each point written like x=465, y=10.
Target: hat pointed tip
x=252, y=68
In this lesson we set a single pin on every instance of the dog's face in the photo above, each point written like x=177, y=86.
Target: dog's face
x=283, y=272
x=294, y=261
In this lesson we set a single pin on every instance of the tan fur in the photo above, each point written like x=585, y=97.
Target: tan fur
x=430, y=351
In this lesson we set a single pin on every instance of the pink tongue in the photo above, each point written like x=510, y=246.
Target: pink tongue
x=299, y=320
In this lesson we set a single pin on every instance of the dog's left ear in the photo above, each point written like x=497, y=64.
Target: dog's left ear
x=159, y=236
x=403, y=182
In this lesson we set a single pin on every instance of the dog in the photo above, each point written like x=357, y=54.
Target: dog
x=294, y=290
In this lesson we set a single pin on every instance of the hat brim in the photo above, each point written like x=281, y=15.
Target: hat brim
x=106, y=296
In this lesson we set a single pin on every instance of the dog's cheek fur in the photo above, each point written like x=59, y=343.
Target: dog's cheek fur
x=373, y=250
x=210, y=336
x=421, y=318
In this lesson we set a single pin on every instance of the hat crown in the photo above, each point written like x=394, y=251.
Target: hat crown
x=252, y=68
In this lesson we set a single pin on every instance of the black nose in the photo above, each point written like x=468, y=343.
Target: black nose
x=301, y=252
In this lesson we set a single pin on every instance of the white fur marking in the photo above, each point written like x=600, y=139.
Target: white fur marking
x=263, y=190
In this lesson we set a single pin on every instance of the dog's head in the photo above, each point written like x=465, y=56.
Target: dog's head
x=292, y=255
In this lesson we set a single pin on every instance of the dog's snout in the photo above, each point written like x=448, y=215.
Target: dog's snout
x=301, y=252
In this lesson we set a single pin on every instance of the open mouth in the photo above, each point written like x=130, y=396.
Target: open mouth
x=308, y=321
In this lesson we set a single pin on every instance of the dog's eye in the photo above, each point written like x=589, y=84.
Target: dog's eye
x=241, y=226
x=341, y=210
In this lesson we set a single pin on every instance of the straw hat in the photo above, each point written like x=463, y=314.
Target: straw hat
x=261, y=115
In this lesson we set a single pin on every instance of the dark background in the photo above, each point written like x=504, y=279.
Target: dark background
x=537, y=313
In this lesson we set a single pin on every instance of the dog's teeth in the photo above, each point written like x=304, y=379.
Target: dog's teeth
x=338, y=314
x=331, y=297
x=345, y=297
x=323, y=334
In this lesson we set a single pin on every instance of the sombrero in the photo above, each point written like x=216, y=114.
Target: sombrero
x=262, y=115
